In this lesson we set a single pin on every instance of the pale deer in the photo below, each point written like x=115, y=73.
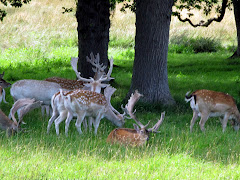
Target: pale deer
x=88, y=103
x=94, y=84
x=10, y=126
x=137, y=136
x=207, y=103
x=98, y=68
x=3, y=84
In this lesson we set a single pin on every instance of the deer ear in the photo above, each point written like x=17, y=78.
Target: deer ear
x=136, y=127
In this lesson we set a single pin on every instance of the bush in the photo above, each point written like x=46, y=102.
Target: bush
x=185, y=44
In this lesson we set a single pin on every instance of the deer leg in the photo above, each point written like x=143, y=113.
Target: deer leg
x=85, y=124
x=60, y=118
x=80, y=117
x=97, y=122
x=67, y=122
x=225, y=120
x=194, y=118
x=90, y=122
x=204, y=118
x=54, y=116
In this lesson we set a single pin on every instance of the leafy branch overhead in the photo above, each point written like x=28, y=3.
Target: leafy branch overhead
x=205, y=5
x=13, y=3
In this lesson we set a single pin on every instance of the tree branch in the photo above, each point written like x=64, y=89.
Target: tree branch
x=209, y=21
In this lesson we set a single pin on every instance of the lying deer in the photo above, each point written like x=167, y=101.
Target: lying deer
x=10, y=126
x=3, y=84
x=137, y=136
x=88, y=103
x=207, y=103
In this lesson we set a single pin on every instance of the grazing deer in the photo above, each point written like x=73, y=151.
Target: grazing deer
x=10, y=126
x=137, y=136
x=207, y=103
x=3, y=84
x=84, y=103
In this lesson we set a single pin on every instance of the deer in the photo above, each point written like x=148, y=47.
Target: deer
x=13, y=126
x=93, y=84
x=208, y=103
x=88, y=103
x=98, y=68
x=140, y=134
x=3, y=84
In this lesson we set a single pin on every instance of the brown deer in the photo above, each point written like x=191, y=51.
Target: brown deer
x=137, y=136
x=11, y=127
x=207, y=103
x=3, y=84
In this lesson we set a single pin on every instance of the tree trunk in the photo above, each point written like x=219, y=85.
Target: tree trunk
x=150, y=75
x=93, y=32
x=236, y=6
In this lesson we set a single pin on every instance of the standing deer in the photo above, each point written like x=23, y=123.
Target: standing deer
x=3, y=84
x=84, y=103
x=207, y=103
x=10, y=126
x=137, y=136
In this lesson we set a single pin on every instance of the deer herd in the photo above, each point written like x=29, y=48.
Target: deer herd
x=89, y=100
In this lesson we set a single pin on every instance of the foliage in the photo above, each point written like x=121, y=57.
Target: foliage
x=184, y=44
x=14, y=3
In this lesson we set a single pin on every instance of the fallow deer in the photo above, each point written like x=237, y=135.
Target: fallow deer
x=98, y=68
x=10, y=126
x=207, y=103
x=137, y=136
x=88, y=103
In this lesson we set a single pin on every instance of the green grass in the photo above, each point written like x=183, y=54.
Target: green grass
x=172, y=154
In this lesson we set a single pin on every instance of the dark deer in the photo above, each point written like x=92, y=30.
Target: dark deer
x=3, y=84
x=137, y=136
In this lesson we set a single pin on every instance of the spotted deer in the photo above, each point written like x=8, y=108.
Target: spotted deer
x=137, y=136
x=98, y=68
x=11, y=127
x=92, y=85
x=3, y=84
x=85, y=103
x=207, y=103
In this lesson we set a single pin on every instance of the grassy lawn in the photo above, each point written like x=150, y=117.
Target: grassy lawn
x=172, y=154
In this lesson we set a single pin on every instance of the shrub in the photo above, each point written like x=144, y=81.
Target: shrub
x=184, y=44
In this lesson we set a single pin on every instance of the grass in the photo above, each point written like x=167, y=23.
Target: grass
x=172, y=154
x=37, y=48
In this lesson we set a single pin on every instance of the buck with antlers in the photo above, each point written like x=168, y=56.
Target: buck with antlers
x=85, y=103
x=10, y=126
x=137, y=136
x=3, y=84
x=207, y=103
x=93, y=85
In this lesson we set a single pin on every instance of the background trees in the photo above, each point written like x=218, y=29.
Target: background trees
x=208, y=7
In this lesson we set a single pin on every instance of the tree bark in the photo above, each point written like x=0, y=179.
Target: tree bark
x=93, y=33
x=236, y=6
x=150, y=75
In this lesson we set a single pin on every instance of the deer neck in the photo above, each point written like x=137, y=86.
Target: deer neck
x=114, y=118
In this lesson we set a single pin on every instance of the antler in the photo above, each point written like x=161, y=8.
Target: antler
x=157, y=125
x=96, y=63
x=1, y=75
x=74, y=61
x=130, y=105
x=24, y=105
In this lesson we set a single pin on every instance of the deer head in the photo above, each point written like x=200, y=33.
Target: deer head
x=207, y=103
x=140, y=134
x=3, y=83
